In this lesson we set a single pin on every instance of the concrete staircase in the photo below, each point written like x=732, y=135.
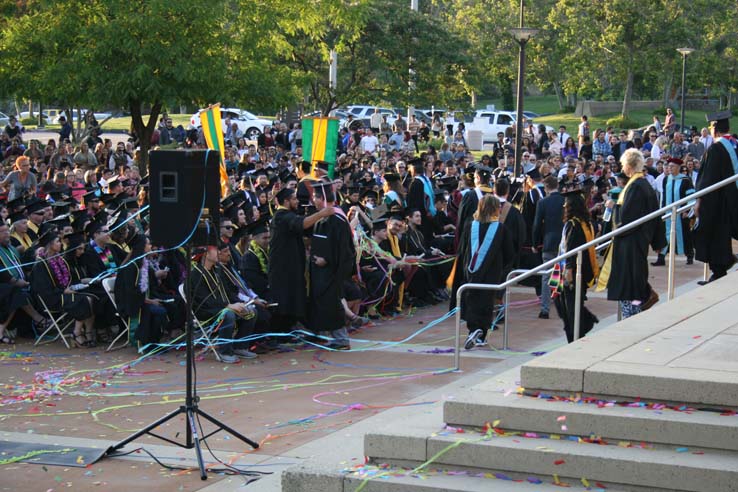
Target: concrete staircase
x=646, y=405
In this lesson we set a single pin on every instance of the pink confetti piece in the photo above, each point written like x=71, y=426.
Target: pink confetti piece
x=561, y=418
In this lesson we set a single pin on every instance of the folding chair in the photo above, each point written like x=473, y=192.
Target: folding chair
x=60, y=322
x=109, y=286
x=209, y=345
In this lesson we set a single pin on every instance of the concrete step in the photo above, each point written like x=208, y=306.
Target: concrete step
x=702, y=429
x=631, y=469
x=312, y=478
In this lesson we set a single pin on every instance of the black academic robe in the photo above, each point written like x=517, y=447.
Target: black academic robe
x=304, y=195
x=467, y=207
x=477, y=306
x=515, y=225
x=718, y=211
x=331, y=241
x=209, y=296
x=680, y=189
x=629, y=270
x=45, y=285
x=565, y=302
x=418, y=199
x=257, y=279
x=287, y=264
x=530, y=256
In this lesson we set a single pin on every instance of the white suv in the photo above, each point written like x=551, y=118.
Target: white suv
x=366, y=112
x=250, y=124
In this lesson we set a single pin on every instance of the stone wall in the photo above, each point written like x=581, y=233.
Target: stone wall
x=599, y=108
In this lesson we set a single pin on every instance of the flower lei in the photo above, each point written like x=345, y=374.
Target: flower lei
x=105, y=256
x=143, y=281
x=260, y=255
x=59, y=269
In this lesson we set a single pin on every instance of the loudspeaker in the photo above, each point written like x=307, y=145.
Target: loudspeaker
x=181, y=182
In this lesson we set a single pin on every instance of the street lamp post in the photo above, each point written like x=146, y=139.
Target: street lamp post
x=685, y=53
x=522, y=36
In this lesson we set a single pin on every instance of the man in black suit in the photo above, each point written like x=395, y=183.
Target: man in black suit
x=547, y=227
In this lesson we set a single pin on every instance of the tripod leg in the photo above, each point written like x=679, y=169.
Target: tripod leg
x=145, y=430
x=196, y=439
x=217, y=423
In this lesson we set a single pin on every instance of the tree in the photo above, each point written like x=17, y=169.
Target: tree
x=132, y=54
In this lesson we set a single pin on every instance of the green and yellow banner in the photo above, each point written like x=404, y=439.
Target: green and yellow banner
x=319, y=141
x=212, y=129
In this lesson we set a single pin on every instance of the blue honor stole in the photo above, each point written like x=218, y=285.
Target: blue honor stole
x=479, y=250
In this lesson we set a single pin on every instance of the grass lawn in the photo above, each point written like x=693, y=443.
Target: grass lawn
x=124, y=123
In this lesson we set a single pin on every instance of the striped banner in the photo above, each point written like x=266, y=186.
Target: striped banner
x=212, y=129
x=320, y=140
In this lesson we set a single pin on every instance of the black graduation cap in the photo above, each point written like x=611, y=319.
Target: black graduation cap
x=416, y=162
x=46, y=227
x=74, y=240
x=58, y=196
x=282, y=195
x=61, y=221
x=392, y=177
x=260, y=172
x=17, y=203
x=534, y=174
x=117, y=220
x=36, y=205
x=257, y=227
x=570, y=187
x=112, y=182
x=726, y=114
x=17, y=216
x=353, y=189
x=60, y=208
x=379, y=224
x=46, y=238
x=144, y=180
x=369, y=193
x=285, y=175
x=322, y=165
x=238, y=233
x=321, y=187
x=265, y=211
x=483, y=170
x=448, y=182
x=439, y=195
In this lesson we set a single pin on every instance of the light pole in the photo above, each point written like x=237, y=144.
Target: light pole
x=411, y=74
x=685, y=53
x=522, y=36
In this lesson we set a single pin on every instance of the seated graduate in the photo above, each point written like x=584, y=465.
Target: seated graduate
x=14, y=289
x=381, y=281
x=254, y=266
x=485, y=249
x=212, y=306
x=61, y=289
x=135, y=293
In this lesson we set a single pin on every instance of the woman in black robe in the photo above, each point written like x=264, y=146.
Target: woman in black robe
x=628, y=282
x=58, y=285
x=578, y=230
x=485, y=251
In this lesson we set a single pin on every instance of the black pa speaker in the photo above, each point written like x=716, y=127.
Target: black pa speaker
x=181, y=183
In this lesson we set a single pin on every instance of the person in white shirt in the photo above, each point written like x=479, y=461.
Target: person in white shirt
x=369, y=142
x=706, y=139
x=562, y=136
x=375, y=122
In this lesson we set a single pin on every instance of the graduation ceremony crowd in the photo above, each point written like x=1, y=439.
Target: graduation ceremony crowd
x=400, y=225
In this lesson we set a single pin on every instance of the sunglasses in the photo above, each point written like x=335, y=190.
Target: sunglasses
x=228, y=227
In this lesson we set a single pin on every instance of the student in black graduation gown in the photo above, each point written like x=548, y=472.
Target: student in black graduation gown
x=628, y=281
x=96, y=261
x=717, y=212
x=485, y=249
x=578, y=230
x=332, y=261
x=14, y=292
x=381, y=284
x=135, y=294
x=420, y=195
x=513, y=220
x=470, y=199
x=254, y=266
x=428, y=282
x=287, y=260
x=54, y=282
x=212, y=307
x=530, y=256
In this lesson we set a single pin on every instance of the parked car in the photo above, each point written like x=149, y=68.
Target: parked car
x=4, y=120
x=250, y=124
x=26, y=114
x=365, y=111
x=98, y=116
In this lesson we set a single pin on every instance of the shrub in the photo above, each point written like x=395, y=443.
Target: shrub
x=30, y=121
x=566, y=109
x=622, y=123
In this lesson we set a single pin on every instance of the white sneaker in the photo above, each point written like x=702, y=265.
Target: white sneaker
x=471, y=340
x=228, y=358
x=244, y=354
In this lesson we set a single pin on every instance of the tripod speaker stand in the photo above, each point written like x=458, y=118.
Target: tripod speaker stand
x=190, y=409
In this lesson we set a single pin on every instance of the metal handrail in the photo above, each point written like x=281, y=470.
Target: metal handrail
x=672, y=208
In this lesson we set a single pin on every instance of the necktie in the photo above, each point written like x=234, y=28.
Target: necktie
x=561, y=138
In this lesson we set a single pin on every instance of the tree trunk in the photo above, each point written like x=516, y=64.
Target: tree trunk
x=17, y=109
x=628, y=93
x=559, y=95
x=668, y=80
x=30, y=108
x=473, y=99
x=144, y=130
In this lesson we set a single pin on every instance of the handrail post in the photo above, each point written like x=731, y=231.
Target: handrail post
x=672, y=254
x=457, y=349
x=578, y=296
x=506, y=307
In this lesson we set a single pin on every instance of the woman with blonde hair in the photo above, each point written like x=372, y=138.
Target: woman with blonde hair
x=485, y=253
x=628, y=281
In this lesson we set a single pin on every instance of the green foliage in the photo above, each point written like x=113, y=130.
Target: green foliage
x=29, y=121
x=621, y=123
x=566, y=109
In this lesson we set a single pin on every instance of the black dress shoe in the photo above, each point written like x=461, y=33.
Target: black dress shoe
x=660, y=261
x=690, y=260
x=543, y=315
